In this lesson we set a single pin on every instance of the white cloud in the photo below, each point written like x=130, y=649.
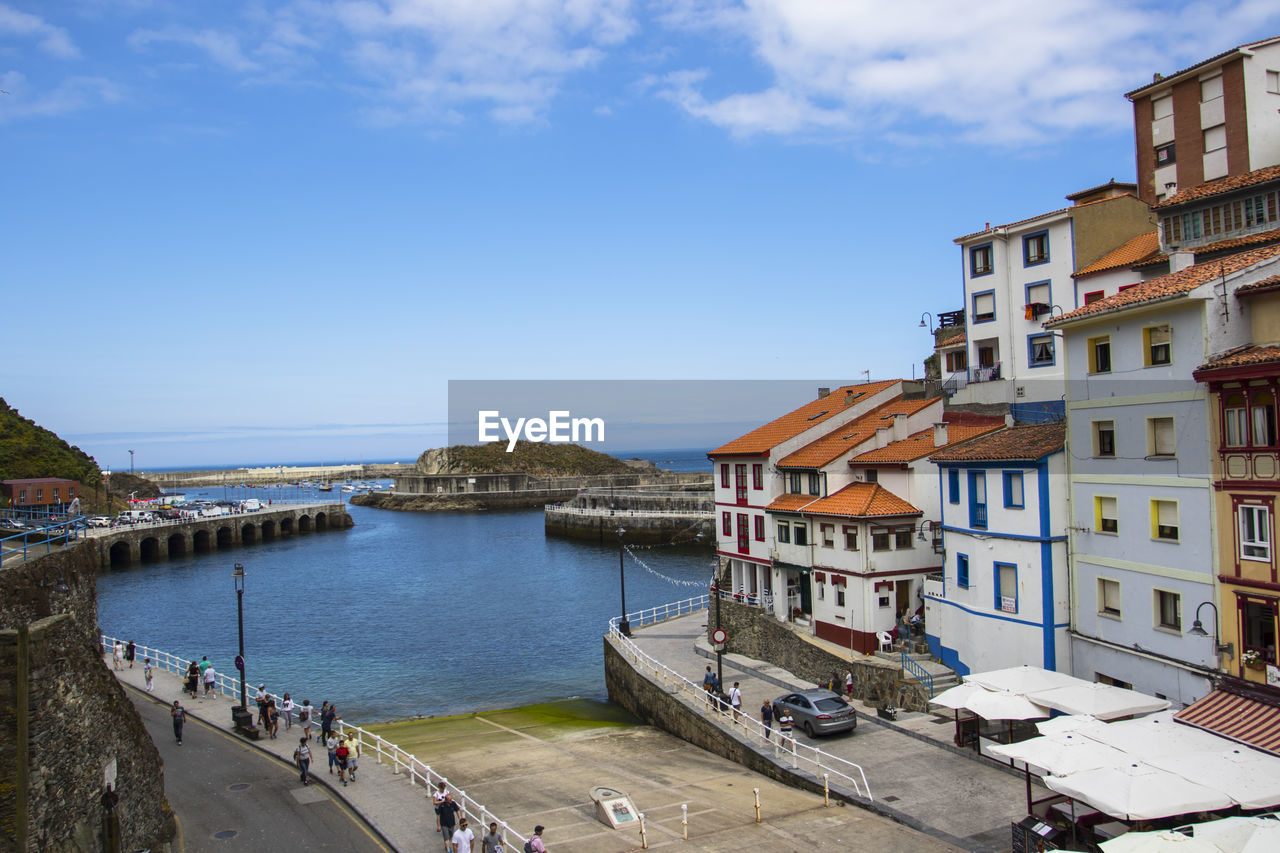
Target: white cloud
x=52, y=40
x=998, y=72
x=223, y=48
x=73, y=94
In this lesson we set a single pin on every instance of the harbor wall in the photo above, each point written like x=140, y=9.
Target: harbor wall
x=640, y=528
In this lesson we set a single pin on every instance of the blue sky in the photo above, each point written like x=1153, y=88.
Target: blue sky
x=275, y=230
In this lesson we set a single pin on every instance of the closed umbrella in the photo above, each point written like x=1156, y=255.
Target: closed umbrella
x=1102, y=701
x=1241, y=834
x=1138, y=791
x=1164, y=841
x=1004, y=705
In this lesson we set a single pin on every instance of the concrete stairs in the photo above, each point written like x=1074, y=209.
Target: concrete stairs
x=943, y=677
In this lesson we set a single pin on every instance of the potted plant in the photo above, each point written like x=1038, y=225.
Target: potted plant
x=1252, y=658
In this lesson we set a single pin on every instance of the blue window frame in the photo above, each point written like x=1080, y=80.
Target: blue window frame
x=962, y=570
x=978, y=500
x=981, y=260
x=1038, y=293
x=1005, y=583
x=1042, y=350
x=1013, y=495
x=953, y=486
x=983, y=308
x=1035, y=249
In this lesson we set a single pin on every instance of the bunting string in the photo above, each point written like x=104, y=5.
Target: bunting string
x=668, y=579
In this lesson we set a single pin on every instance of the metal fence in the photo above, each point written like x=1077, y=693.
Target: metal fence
x=36, y=541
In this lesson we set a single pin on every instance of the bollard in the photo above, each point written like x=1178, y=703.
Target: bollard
x=644, y=845
x=757, y=793
x=684, y=819
x=826, y=789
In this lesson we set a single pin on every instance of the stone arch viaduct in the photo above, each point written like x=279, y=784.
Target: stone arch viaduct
x=129, y=546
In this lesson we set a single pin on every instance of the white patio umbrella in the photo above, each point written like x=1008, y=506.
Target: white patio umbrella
x=1247, y=776
x=1164, y=841
x=1241, y=834
x=1062, y=755
x=1023, y=679
x=1075, y=723
x=955, y=697
x=1155, y=735
x=1102, y=701
x=1138, y=791
x=1003, y=705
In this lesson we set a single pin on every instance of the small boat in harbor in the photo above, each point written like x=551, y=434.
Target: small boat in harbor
x=348, y=488
x=327, y=487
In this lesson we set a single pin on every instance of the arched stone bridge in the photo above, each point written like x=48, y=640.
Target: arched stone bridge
x=129, y=546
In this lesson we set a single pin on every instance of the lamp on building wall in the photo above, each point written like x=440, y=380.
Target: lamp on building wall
x=1197, y=630
x=928, y=325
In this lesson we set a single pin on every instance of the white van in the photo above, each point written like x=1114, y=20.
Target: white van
x=251, y=505
x=136, y=516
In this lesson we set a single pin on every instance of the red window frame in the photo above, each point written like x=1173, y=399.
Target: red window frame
x=744, y=534
x=1127, y=286
x=726, y=524
x=1093, y=296
x=724, y=475
x=759, y=525
x=757, y=476
x=740, y=483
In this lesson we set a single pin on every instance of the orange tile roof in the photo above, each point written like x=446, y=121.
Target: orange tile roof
x=1131, y=252
x=921, y=444
x=1243, y=357
x=1259, y=286
x=1238, y=242
x=1174, y=284
x=1209, y=189
x=834, y=444
x=862, y=500
x=989, y=229
x=765, y=438
x=1019, y=443
x=790, y=503
x=954, y=337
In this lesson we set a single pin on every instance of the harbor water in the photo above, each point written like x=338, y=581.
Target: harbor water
x=405, y=614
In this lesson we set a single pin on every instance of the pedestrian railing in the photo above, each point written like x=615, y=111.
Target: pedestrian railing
x=42, y=540
x=663, y=612
x=820, y=764
x=625, y=513
x=912, y=667
x=384, y=750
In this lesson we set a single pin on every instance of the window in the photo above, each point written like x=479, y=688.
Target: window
x=962, y=571
x=740, y=481
x=1273, y=82
x=1013, y=489
x=1094, y=296
x=759, y=525
x=39, y=495
x=1168, y=610
x=903, y=539
x=757, y=477
x=1165, y=155
x=1100, y=354
x=1255, y=533
x=726, y=524
x=1263, y=411
x=850, y=537
x=1164, y=520
x=1104, y=439
x=1040, y=350
x=1156, y=345
x=784, y=532
x=828, y=535
x=1105, y=516
x=800, y=533
x=879, y=539
x=1162, y=107
x=815, y=483
x=1237, y=421
x=724, y=476
x=1259, y=621
x=1038, y=294
x=744, y=539
x=984, y=306
x=953, y=486
x=820, y=586
x=794, y=487
x=980, y=260
x=55, y=494
x=1215, y=138
x=1161, y=439
x=1211, y=87
x=1006, y=592
x=838, y=582
x=1035, y=248
x=978, y=499
x=957, y=360
x=1108, y=597
x=871, y=475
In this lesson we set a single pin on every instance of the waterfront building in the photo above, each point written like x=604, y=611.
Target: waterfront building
x=1215, y=119
x=1142, y=507
x=38, y=492
x=1002, y=597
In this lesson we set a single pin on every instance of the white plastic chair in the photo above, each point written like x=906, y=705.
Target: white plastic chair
x=886, y=641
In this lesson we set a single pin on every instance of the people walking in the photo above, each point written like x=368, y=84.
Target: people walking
x=273, y=717
x=179, y=717
x=785, y=725
x=735, y=700
x=129, y=652
x=193, y=680
x=302, y=757
x=328, y=716
x=491, y=841
x=117, y=655
x=304, y=718
x=286, y=710
x=448, y=811
x=535, y=842
x=331, y=744
x=766, y=718
x=261, y=698
x=148, y=674
x=204, y=664
x=340, y=753
x=848, y=683
x=210, y=681
x=464, y=840
x=437, y=797
x=353, y=755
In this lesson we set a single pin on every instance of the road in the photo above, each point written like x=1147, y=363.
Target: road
x=229, y=796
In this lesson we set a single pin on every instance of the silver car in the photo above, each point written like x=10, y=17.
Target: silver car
x=817, y=712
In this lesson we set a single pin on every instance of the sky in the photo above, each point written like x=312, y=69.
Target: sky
x=274, y=231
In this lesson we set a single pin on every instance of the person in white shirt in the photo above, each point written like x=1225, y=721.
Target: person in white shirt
x=210, y=681
x=735, y=700
x=286, y=710
x=464, y=840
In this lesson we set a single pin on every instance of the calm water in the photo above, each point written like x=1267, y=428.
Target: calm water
x=405, y=613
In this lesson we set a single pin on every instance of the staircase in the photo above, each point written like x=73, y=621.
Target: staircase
x=943, y=677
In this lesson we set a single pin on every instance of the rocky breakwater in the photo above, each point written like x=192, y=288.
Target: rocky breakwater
x=66, y=724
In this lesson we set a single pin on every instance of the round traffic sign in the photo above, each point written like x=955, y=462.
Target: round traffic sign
x=719, y=636
x=239, y=663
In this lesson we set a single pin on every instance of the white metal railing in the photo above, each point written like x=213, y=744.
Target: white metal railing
x=626, y=513
x=385, y=751
x=814, y=760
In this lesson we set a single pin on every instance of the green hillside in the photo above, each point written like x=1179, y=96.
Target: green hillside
x=30, y=450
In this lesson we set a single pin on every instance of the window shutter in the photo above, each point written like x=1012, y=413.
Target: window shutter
x=1167, y=513
x=1038, y=293
x=1164, y=440
x=984, y=304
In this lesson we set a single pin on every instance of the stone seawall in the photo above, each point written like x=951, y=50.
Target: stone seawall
x=641, y=529
x=462, y=501
x=79, y=723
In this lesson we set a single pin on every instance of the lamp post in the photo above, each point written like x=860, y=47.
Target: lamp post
x=238, y=577
x=928, y=325
x=1197, y=630
x=130, y=461
x=624, y=626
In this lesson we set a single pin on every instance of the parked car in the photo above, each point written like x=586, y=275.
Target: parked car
x=818, y=712
x=99, y=521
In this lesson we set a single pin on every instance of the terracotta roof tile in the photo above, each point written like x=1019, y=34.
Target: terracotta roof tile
x=836, y=443
x=862, y=500
x=1271, y=283
x=1243, y=357
x=921, y=444
x=1020, y=443
x=790, y=503
x=1219, y=186
x=1059, y=211
x=1238, y=242
x=1134, y=251
x=1174, y=284
x=954, y=336
x=764, y=438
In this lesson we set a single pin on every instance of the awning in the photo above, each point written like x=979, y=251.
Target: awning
x=1233, y=713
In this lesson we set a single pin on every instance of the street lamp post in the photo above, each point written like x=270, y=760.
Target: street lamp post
x=240, y=715
x=719, y=646
x=130, y=461
x=624, y=626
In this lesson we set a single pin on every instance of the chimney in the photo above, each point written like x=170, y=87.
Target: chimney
x=882, y=437
x=939, y=435
x=899, y=426
x=1181, y=260
x=848, y=398
x=823, y=392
